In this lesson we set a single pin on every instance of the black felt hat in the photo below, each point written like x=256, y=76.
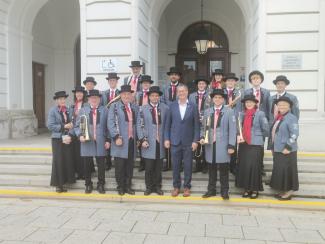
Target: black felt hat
x=135, y=64
x=230, y=76
x=126, y=88
x=59, y=94
x=146, y=78
x=284, y=99
x=281, y=78
x=94, y=92
x=218, y=92
x=202, y=78
x=112, y=76
x=155, y=89
x=174, y=70
x=218, y=72
x=79, y=88
x=249, y=97
x=90, y=79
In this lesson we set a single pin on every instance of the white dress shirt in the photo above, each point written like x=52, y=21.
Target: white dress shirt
x=182, y=108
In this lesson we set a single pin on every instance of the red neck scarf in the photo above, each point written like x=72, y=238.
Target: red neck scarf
x=248, y=120
x=63, y=109
x=279, y=117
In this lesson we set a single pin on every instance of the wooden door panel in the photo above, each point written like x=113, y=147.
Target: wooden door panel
x=39, y=93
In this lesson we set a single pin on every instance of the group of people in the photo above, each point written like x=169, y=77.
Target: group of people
x=220, y=126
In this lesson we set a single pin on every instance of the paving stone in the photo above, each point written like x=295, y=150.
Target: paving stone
x=86, y=237
x=262, y=233
x=239, y=220
x=108, y=214
x=17, y=220
x=309, y=223
x=19, y=242
x=148, y=227
x=20, y=209
x=305, y=236
x=140, y=215
x=84, y=212
x=124, y=238
x=163, y=239
x=117, y=225
x=274, y=221
x=224, y=231
x=81, y=224
x=49, y=235
x=12, y=233
x=47, y=211
x=203, y=240
x=172, y=217
x=187, y=229
x=49, y=222
x=202, y=218
x=240, y=241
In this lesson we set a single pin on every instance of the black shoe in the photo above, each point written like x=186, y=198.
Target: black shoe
x=101, y=189
x=225, y=196
x=285, y=198
x=141, y=169
x=80, y=177
x=120, y=192
x=209, y=194
x=130, y=191
x=60, y=190
x=247, y=194
x=254, y=195
x=147, y=192
x=159, y=192
x=89, y=189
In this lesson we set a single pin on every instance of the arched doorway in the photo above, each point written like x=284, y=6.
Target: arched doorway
x=194, y=64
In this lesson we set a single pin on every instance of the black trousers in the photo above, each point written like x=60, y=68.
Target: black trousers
x=78, y=160
x=153, y=168
x=109, y=159
x=168, y=159
x=88, y=166
x=233, y=161
x=124, y=169
x=213, y=173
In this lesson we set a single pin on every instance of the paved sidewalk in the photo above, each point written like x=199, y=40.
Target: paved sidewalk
x=91, y=222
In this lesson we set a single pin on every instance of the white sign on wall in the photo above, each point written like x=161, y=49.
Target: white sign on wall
x=291, y=61
x=108, y=65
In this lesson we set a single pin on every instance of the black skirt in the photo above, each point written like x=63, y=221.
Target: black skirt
x=249, y=175
x=285, y=172
x=62, y=163
x=77, y=159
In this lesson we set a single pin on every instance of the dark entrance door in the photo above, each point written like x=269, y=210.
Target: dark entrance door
x=194, y=64
x=39, y=93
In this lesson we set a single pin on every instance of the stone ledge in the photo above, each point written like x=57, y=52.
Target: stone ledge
x=17, y=124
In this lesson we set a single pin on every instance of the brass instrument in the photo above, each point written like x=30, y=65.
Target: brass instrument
x=142, y=127
x=206, y=130
x=84, y=127
x=116, y=121
x=240, y=128
x=234, y=102
x=115, y=99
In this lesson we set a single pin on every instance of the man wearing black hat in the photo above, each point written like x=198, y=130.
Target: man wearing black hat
x=89, y=83
x=107, y=96
x=168, y=97
x=133, y=79
x=141, y=99
x=99, y=141
x=151, y=121
x=233, y=97
x=170, y=89
x=202, y=100
x=281, y=82
x=122, y=128
x=219, y=137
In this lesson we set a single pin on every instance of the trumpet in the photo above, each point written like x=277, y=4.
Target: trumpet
x=233, y=103
x=240, y=126
x=84, y=127
x=206, y=130
x=115, y=99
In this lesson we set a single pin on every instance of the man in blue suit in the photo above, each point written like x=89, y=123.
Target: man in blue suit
x=182, y=134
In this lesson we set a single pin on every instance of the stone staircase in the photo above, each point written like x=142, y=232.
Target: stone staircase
x=31, y=169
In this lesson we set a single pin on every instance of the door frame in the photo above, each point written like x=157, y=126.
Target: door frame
x=39, y=107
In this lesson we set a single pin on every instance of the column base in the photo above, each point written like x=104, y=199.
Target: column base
x=17, y=124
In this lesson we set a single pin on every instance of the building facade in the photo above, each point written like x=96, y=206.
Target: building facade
x=49, y=45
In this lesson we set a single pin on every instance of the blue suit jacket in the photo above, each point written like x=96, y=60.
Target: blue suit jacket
x=182, y=131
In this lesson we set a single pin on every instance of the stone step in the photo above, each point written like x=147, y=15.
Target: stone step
x=198, y=187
